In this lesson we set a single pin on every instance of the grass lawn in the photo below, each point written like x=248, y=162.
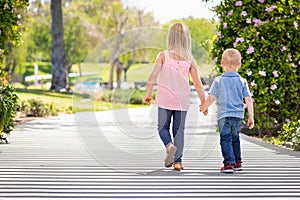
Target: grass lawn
x=65, y=101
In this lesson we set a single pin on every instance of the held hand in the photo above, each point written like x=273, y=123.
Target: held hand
x=250, y=122
x=205, y=112
x=147, y=99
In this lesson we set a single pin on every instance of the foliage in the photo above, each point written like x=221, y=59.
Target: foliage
x=290, y=133
x=37, y=108
x=10, y=20
x=8, y=104
x=130, y=96
x=266, y=32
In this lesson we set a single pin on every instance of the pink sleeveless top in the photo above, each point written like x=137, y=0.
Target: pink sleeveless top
x=173, y=88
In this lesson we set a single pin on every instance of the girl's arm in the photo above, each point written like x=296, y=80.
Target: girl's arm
x=153, y=76
x=208, y=101
x=197, y=82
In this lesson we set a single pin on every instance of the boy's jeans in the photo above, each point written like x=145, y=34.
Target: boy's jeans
x=229, y=128
x=164, y=121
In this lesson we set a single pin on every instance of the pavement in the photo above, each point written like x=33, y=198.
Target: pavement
x=118, y=155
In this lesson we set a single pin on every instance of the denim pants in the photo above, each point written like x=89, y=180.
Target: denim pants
x=229, y=128
x=178, y=124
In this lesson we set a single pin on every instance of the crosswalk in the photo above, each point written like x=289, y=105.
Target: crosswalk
x=64, y=157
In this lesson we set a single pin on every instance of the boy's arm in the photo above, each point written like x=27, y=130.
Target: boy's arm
x=249, y=104
x=153, y=76
x=208, y=101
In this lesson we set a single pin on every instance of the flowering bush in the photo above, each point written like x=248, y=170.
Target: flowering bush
x=10, y=20
x=266, y=32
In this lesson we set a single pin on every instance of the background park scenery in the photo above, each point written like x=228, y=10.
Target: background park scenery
x=55, y=53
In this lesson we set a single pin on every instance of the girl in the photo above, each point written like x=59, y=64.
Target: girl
x=173, y=90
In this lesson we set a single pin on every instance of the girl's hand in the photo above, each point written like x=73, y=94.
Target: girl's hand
x=147, y=99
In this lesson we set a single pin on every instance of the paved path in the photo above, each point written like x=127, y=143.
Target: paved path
x=119, y=155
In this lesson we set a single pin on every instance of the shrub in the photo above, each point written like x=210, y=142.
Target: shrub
x=130, y=96
x=37, y=108
x=266, y=32
x=290, y=133
x=8, y=105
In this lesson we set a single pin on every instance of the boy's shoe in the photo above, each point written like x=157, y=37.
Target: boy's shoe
x=228, y=168
x=238, y=166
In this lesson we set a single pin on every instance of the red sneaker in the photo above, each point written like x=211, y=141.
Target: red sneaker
x=238, y=166
x=228, y=168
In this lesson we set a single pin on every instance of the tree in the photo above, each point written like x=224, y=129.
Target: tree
x=60, y=72
x=266, y=32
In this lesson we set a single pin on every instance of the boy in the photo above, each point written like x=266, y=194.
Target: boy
x=229, y=89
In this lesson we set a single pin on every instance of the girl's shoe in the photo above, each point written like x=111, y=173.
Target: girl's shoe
x=178, y=166
x=171, y=150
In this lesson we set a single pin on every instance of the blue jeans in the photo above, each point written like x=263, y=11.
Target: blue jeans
x=164, y=122
x=229, y=128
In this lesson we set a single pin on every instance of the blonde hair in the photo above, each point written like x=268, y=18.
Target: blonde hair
x=179, y=41
x=231, y=58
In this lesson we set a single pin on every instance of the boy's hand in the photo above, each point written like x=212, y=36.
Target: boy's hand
x=147, y=99
x=250, y=122
x=205, y=112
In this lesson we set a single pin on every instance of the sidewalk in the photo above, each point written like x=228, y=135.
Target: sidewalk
x=118, y=154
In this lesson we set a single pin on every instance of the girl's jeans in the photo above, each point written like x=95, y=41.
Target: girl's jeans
x=229, y=128
x=164, y=121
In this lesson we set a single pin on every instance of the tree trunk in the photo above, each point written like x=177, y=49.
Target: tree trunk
x=59, y=69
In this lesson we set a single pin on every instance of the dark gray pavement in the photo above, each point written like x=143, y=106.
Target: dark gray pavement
x=117, y=154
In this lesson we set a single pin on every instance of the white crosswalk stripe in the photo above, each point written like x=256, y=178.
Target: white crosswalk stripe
x=52, y=158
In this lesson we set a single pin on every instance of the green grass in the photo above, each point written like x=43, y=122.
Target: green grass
x=136, y=73
x=65, y=101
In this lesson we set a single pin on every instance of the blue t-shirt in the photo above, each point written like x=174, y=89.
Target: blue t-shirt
x=230, y=90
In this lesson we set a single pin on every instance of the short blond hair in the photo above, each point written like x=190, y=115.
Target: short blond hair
x=231, y=58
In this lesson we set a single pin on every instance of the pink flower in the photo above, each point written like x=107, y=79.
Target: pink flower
x=257, y=22
x=0, y=51
x=18, y=22
x=290, y=57
x=275, y=73
x=296, y=25
x=272, y=7
x=5, y=6
x=225, y=25
x=261, y=1
x=219, y=34
x=248, y=72
x=248, y=21
x=244, y=13
x=240, y=39
x=262, y=73
x=234, y=44
x=287, y=120
x=215, y=59
x=239, y=3
x=252, y=83
x=230, y=13
x=273, y=87
x=283, y=48
x=250, y=50
x=277, y=102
